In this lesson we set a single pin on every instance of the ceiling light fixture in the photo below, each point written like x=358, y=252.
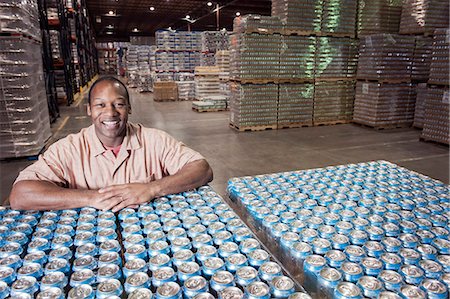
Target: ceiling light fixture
x=109, y=32
x=188, y=16
x=209, y=3
x=110, y=26
x=111, y=12
x=135, y=30
x=152, y=8
x=238, y=14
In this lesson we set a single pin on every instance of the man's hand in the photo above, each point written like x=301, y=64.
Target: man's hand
x=126, y=195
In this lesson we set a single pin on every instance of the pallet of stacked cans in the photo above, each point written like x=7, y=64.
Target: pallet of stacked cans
x=338, y=18
x=189, y=245
x=299, y=17
x=223, y=63
x=295, y=105
x=385, y=96
x=24, y=115
x=257, y=24
x=132, y=66
x=186, y=86
x=378, y=16
x=145, y=77
x=419, y=110
x=424, y=16
x=207, y=90
x=372, y=230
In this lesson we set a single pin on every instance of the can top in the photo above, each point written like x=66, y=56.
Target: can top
x=222, y=277
x=195, y=283
x=137, y=279
x=213, y=263
x=299, y=295
x=164, y=273
x=140, y=293
x=108, y=270
x=370, y=283
x=351, y=268
x=82, y=275
x=52, y=278
x=204, y=296
x=135, y=264
x=330, y=274
x=24, y=283
x=247, y=272
x=259, y=254
x=29, y=268
x=231, y=293
x=207, y=250
x=390, y=276
x=258, y=289
x=168, y=289
x=50, y=293
x=410, y=291
x=270, y=268
x=348, y=289
x=282, y=283
x=109, y=286
x=80, y=292
x=411, y=270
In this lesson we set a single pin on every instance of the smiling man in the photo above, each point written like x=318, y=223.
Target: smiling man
x=112, y=164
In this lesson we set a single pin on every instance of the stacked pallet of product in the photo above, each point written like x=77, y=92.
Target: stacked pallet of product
x=419, y=110
x=297, y=58
x=24, y=116
x=257, y=24
x=421, y=60
x=145, y=77
x=255, y=57
x=223, y=63
x=132, y=66
x=384, y=105
x=186, y=86
x=165, y=91
x=439, y=67
x=436, y=121
x=339, y=18
x=295, y=105
x=386, y=57
x=20, y=17
x=333, y=102
x=212, y=103
x=207, y=82
x=378, y=16
x=211, y=42
x=423, y=16
x=336, y=58
x=253, y=106
x=302, y=17
x=436, y=117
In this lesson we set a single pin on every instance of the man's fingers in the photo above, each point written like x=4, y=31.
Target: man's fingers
x=111, y=202
x=120, y=206
x=111, y=188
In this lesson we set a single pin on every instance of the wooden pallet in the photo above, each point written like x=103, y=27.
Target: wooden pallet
x=333, y=79
x=262, y=31
x=331, y=123
x=166, y=100
x=294, y=125
x=255, y=81
x=299, y=32
x=294, y=80
x=437, y=84
x=336, y=34
x=383, y=127
x=388, y=81
x=201, y=110
x=441, y=142
x=253, y=128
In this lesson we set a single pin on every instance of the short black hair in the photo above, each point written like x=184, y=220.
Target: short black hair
x=111, y=79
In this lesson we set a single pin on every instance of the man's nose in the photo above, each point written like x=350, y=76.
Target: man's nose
x=111, y=109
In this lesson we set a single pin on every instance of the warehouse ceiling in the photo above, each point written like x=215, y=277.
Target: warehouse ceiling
x=116, y=20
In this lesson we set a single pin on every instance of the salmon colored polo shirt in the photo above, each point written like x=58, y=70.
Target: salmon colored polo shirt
x=81, y=161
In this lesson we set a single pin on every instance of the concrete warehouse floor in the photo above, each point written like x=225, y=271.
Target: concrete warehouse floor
x=232, y=154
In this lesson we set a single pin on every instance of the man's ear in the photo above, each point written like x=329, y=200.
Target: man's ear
x=129, y=110
x=89, y=110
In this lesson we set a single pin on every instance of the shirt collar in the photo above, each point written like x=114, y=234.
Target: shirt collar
x=131, y=140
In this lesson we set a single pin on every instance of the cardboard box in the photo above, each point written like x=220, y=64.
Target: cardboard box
x=165, y=91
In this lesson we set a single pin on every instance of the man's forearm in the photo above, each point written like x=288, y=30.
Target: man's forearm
x=192, y=175
x=43, y=195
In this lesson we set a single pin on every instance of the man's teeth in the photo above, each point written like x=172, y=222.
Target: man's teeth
x=110, y=123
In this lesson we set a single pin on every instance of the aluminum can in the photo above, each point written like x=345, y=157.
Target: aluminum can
x=212, y=265
x=391, y=261
x=54, y=279
x=227, y=249
x=409, y=256
x=7, y=275
x=440, y=232
x=86, y=249
x=17, y=237
x=373, y=248
x=13, y=261
x=427, y=252
x=187, y=270
x=392, y=280
x=109, y=246
x=25, y=284
x=151, y=227
x=308, y=234
x=444, y=260
x=234, y=224
x=158, y=247
x=180, y=232
x=351, y=271
x=10, y=248
x=282, y=287
x=109, y=258
x=35, y=257
x=62, y=241
x=270, y=270
x=442, y=245
x=235, y=261
x=50, y=293
x=327, y=281
x=205, y=252
x=412, y=274
x=300, y=250
x=156, y=235
x=370, y=286
x=251, y=244
x=43, y=233
x=169, y=290
x=246, y=275
x=64, y=230
x=446, y=279
x=335, y=258
x=83, y=238
x=140, y=293
x=354, y=253
x=299, y=295
x=131, y=230
x=320, y=246
x=32, y=269
x=433, y=269
x=83, y=291
x=134, y=266
x=163, y=275
x=196, y=230
x=182, y=243
x=409, y=240
x=412, y=292
x=434, y=289
x=221, y=280
x=160, y=260
x=137, y=281
x=391, y=244
x=202, y=240
x=109, y=288
x=84, y=262
x=326, y=231
x=195, y=285
x=204, y=296
x=84, y=276
x=339, y=241
x=257, y=290
x=106, y=234
x=347, y=290
x=4, y=290
x=258, y=257
x=62, y=252
x=111, y=271
x=371, y=266
x=242, y=233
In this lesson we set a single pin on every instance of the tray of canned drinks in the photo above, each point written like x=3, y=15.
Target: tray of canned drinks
x=372, y=229
x=189, y=245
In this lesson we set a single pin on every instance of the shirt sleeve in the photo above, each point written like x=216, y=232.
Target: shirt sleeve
x=175, y=154
x=48, y=167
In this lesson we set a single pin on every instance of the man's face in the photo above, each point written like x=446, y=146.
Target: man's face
x=109, y=110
